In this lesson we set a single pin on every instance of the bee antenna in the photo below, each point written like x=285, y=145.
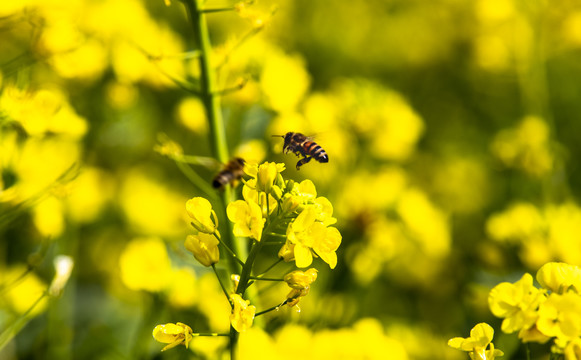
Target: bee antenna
x=277, y=135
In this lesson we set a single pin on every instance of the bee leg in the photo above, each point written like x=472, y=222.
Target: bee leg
x=303, y=161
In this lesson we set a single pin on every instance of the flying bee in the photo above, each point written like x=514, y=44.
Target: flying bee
x=300, y=144
x=231, y=172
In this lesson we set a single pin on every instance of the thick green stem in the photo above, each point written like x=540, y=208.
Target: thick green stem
x=247, y=269
x=210, y=97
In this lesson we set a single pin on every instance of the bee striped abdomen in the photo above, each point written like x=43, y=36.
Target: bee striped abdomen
x=299, y=144
x=316, y=151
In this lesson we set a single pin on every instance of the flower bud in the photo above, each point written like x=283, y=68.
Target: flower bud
x=287, y=252
x=173, y=334
x=290, y=203
x=204, y=247
x=203, y=217
x=301, y=279
x=300, y=283
x=266, y=176
x=242, y=315
x=276, y=192
x=64, y=266
x=559, y=277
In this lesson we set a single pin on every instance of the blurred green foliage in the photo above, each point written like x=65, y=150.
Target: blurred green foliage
x=451, y=127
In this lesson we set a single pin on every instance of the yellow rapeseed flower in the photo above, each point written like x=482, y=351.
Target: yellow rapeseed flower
x=560, y=316
x=190, y=113
x=250, y=194
x=204, y=219
x=145, y=264
x=301, y=279
x=266, y=175
x=517, y=303
x=242, y=315
x=204, y=247
x=573, y=350
x=183, y=289
x=300, y=283
x=279, y=69
x=247, y=219
x=306, y=234
x=173, y=334
x=526, y=146
x=559, y=277
x=159, y=212
x=22, y=295
x=480, y=338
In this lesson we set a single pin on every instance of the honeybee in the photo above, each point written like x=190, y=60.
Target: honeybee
x=232, y=171
x=300, y=144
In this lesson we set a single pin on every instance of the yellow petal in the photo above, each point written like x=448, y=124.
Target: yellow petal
x=303, y=256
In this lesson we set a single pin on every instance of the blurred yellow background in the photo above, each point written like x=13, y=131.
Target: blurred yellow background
x=452, y=129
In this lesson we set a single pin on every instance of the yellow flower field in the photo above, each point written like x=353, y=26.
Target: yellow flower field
x=290, y=179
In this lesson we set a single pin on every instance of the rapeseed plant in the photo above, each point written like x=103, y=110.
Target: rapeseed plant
x=273, y=211
x=550, y=313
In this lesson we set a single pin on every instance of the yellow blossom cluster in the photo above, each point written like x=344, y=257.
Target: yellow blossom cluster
x=479, y=345
x=552, y=312
x=276, y=211
x=542, y=234
x=527, y=146
x=307, y=218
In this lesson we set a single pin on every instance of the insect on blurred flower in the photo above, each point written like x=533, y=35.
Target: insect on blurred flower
x=204, y=247
x=242, y=315
x=480, y=338
x=204, y=219
x=64, y=266
x=173, y=334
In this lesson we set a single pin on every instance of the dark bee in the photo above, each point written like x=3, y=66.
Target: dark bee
x=300, y=144
x=232, y=171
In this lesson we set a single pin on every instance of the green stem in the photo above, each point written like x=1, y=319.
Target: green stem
x=265, y=278
x=276, y=235
x=229, y=250
x=211, y=100
x=247, y=269
x=208, y=94
x=272, y=308
x=528, y=351
x=278, y=261
x=221, y=284
x=234, y=336
x=207, y=11
x=13, y=329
